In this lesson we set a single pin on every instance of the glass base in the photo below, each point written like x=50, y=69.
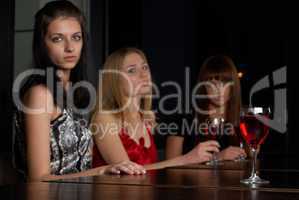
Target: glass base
x=241, y=159
x=254, y=179
x=214, y=163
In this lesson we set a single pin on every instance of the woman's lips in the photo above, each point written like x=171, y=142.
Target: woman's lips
x=70, y=58
x=145, y=84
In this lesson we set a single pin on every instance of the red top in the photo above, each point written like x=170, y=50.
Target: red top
x=137, y=153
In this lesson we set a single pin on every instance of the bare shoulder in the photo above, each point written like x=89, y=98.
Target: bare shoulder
x=102, y=123
x=105, y=118
x=39, y=97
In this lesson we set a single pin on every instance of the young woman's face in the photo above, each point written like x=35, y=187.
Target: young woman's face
x=219, y=92
x=137, y=79
x=64, y=42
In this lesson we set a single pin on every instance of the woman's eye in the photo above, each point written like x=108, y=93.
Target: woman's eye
x=145, y=67
x=131, y=70
x=77, y=37
x=56, y=39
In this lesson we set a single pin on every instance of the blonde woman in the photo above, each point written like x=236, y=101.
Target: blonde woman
x=123, y=120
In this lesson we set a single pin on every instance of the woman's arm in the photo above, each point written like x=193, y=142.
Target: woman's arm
x=126, y=167
x=174, y=146
x=201, y=153
x=231, y=153
x=174, y=149
x=106, y=129
x=37, y=131
x=112, y=149
x=90, y=172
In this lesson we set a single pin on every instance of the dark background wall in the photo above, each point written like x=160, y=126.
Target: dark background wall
x=6, y=75
x=179, y=34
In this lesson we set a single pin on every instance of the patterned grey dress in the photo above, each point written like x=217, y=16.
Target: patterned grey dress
x=70, y=145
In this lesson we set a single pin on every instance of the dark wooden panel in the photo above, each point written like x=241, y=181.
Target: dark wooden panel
x=228, y=176
x=8, y=174
x=85, y=191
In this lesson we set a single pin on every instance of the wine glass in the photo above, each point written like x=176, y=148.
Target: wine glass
x=215, y=132
x=254, y=129
x=241, y=144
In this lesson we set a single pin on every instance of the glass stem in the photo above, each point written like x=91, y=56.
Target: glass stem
x=241, y=145
x=254, y=155
x=214, y=157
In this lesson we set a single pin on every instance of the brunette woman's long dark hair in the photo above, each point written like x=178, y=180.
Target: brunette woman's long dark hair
x=43, y=18
x=222, y=68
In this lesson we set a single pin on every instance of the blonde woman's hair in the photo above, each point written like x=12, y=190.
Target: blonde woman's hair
x=110, y=96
